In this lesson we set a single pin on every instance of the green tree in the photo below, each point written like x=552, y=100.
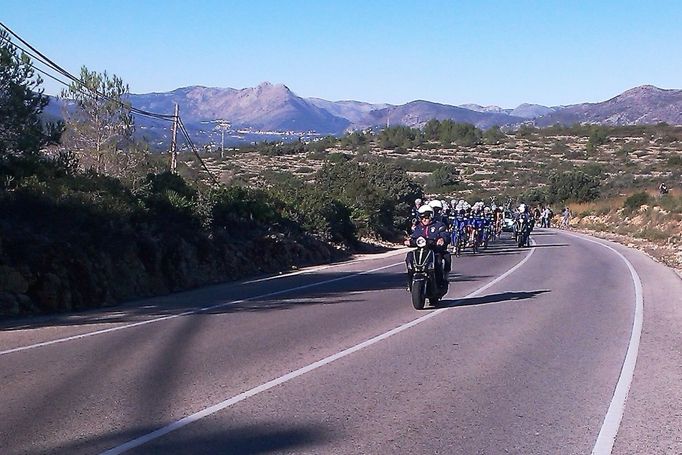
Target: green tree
x=493, y=135
x=598, y=136
x=575, y=185
x=354, y=140
x=399, y=136
x=21, y=104
x=526, y=131
x=102, y=118
x=448, y=132
x=431, y=130
x=378, y=194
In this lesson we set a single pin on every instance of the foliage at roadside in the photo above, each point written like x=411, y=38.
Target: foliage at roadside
x=71, y=239
x=378, y=194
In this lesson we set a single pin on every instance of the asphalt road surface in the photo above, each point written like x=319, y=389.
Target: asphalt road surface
x=533, y=351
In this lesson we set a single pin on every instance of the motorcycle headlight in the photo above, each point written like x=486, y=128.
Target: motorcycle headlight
x=421, y=242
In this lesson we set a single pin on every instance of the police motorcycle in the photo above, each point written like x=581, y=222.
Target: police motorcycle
x=426, y=273
x=522, y=227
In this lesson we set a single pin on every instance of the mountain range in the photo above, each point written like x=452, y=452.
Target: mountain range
x=274, y=110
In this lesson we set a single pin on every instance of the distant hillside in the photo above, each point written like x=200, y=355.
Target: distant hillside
x=273, y=112
x=531, y=111
x=355, y=112
x=417, y=113
x=479, y=108
x=641, y=105
x=266, y=107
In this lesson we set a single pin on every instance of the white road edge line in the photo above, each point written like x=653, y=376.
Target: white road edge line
x=195, y=311
x=294, y=374
x=609, y=429
x=318, y=268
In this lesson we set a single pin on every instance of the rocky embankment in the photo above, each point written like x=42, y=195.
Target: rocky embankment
x=650, y=228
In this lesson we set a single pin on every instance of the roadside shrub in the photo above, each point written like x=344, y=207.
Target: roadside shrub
x=636, y=200
x=378, y=194
x=535, y=196
x=444, y=178
x=239, y=207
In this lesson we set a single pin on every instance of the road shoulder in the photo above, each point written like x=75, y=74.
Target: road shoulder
x=652, y=422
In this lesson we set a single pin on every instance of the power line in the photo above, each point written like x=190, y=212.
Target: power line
x=79, y=90
x=196, y=153
x=79, y=87
x=48, y=62
x=39, y=56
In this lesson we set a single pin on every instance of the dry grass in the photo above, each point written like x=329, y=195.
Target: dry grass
x=655, y=228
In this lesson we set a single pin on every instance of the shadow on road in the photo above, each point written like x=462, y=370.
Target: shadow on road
x=492, y=298
x=266, y=437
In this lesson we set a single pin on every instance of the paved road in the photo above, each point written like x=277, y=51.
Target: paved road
x=522, y=362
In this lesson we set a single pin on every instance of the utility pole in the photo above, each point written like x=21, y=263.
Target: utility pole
x=174, y=143
x=223, y=125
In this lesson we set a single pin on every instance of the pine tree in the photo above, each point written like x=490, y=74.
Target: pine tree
x=101, y=119
x=21, y=104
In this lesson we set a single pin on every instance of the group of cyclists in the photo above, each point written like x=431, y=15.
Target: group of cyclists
x=458, y=225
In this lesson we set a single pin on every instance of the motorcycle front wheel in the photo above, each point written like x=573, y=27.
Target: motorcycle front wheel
x=418, y=295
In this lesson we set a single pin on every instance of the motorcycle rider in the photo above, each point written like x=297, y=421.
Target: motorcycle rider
x=525, y=215
x=438, y=215
x=432, y=229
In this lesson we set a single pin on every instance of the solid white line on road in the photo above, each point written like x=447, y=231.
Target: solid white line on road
x=294, y=374
x=318, y=268
x=611, y=424
x=194, y=311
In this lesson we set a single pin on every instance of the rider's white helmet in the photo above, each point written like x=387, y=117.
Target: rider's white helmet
x=425, y=209
x=436, y=204
x=522, y=208
x=417, y=201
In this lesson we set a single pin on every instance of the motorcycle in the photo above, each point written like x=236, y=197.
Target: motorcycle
x=522, y=231
x=422, y=268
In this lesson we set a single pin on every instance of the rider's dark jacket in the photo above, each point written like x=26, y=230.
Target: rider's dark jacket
x=433, y=231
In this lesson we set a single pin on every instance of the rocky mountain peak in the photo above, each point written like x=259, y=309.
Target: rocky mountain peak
x=642, y=92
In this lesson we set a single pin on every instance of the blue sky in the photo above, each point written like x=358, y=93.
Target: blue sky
x=454, y=52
